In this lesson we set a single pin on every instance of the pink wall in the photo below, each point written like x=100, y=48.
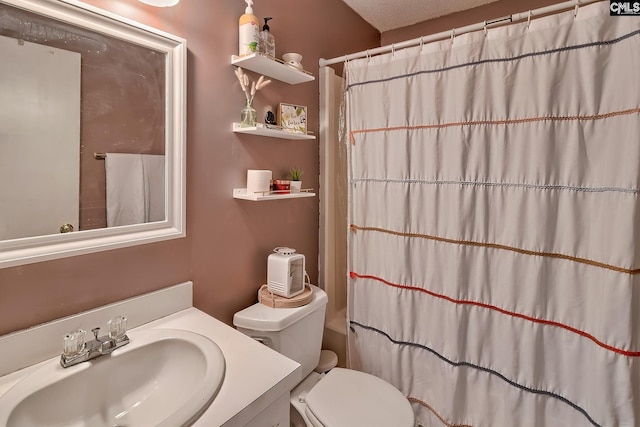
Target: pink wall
x=134, y=123
x=227, y=240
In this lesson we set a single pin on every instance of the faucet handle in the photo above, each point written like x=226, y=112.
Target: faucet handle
x=73, y=343
x=117, y=327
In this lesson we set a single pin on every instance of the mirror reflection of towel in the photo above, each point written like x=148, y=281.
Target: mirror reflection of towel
x=135, y=188
x=153, y=177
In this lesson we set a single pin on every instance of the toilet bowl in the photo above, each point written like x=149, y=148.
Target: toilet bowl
x=339, y=398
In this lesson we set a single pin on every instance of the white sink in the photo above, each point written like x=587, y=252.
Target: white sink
x=163, y=377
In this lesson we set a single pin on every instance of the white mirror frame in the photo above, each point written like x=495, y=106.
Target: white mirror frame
x=42, y=248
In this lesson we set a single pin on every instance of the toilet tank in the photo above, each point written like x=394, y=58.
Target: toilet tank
x=293, y=332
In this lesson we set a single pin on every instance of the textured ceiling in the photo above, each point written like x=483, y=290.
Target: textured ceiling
x=387, y=15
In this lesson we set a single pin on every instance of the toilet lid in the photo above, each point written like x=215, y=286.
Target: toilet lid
x=348, y=398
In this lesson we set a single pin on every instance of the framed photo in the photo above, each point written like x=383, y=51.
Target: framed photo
x=292, y=118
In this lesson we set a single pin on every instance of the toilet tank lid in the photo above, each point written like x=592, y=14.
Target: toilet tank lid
x=260, y=317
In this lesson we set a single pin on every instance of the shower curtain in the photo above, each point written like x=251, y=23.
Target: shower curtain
x=494, y=220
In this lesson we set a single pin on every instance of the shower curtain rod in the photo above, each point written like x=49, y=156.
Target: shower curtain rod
x=458, y=31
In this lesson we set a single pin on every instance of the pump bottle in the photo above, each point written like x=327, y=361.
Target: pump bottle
x=267, y=41
x=249, y=32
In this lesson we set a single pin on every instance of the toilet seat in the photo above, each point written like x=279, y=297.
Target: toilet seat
x=348, y=398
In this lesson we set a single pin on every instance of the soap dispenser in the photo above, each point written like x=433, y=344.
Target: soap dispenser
x=267, y=41
x=249, y=33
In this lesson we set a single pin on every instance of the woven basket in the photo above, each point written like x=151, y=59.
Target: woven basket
x=276, y=301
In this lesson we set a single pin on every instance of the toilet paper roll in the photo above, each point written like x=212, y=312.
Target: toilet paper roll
x=258, y=180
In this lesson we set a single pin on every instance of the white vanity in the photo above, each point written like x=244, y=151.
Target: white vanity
x=257, y=380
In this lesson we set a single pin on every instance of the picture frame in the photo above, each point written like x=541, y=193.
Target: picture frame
x=292, y=118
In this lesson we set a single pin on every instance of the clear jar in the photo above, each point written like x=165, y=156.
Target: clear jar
x=248, y=116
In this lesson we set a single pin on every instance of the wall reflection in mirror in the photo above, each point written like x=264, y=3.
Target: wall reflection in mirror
x=82, y=128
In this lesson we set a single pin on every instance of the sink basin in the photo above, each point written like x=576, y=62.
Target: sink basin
x=163, y=377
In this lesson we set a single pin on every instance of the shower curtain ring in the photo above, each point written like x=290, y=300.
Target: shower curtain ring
x=368, y=56
x=575, y=11
x=453, y=35
x=529, y=19
x=421, y=43
x=393, y=49
x=485, y=28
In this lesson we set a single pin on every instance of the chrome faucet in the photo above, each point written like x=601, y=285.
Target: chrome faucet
x=76, y=350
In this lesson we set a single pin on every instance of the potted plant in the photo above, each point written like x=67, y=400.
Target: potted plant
x=295, y=176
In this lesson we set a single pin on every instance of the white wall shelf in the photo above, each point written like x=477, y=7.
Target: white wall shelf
x=272, y=133
x=272, y=67
x=241, y=193
x=276, y=69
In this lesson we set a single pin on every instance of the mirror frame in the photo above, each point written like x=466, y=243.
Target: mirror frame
x=42, y=248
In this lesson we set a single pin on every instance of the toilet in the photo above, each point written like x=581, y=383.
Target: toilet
x=338, y=398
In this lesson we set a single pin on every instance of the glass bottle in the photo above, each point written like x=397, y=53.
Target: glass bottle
x=267, y=44
x=248, y=117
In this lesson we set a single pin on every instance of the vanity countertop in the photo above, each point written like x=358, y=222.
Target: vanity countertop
x=255, y=376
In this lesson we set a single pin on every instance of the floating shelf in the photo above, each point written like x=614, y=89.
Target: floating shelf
x=272, y=67
x=273, y=133
x=241, y=193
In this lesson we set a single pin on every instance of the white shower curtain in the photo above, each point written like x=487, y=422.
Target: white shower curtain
x=494, y=217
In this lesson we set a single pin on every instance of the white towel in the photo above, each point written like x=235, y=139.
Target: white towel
x=125, y=189
x=135, y=188
x=154, y=185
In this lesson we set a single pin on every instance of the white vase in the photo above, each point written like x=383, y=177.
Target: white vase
x=295, y=186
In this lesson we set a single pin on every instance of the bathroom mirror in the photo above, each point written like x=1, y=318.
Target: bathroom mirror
x=101, y=85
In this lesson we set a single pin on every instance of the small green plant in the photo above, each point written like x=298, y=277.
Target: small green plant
x=295, y=174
